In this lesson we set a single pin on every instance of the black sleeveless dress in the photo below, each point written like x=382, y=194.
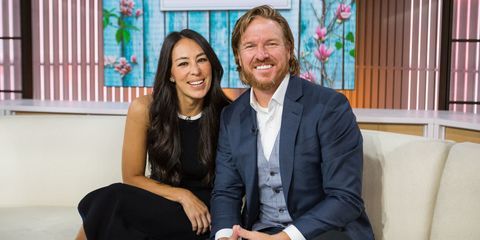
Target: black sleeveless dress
x=121, y=211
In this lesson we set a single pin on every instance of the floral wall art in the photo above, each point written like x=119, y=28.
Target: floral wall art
x=327, y=50
x=133, y=31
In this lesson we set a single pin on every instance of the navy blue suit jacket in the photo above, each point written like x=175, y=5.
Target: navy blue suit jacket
x=320, y=164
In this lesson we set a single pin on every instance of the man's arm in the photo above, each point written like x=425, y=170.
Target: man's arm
x=342, y=166
x=228, y=189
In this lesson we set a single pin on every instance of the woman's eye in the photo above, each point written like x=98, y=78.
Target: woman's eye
x=182, y=64
x=203, y=60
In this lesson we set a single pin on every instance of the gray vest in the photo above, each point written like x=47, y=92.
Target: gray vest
x=273, y=209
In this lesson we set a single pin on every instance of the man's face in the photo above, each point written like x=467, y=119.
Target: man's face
x=263, y=54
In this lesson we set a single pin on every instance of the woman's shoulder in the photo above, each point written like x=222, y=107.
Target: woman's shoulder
x=141, y=103
x=139, y=108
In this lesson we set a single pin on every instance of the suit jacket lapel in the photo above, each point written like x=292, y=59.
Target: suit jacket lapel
x=248, y=148
x=291, y=117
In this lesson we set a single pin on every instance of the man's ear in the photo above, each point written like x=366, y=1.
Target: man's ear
x=290, y=53
x=239, y=61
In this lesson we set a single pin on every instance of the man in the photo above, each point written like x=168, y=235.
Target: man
x=290, y=149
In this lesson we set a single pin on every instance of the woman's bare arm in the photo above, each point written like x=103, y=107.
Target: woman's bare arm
x=134, y=156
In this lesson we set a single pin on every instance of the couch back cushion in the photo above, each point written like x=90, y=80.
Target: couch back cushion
x=57, y=159
x=400, y=183
x=457, y=211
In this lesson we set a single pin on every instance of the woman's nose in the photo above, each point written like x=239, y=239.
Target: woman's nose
x=195, y=69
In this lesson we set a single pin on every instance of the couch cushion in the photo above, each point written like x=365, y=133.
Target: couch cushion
x=39, y=223
x=55, y=160
x=411, y=179
x=400, y=183
x=457, y=211
x=372, y=192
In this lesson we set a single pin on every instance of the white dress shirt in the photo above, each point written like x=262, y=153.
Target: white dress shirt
x=269, y=121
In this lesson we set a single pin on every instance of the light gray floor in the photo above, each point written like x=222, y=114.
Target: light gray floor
x=40, y=223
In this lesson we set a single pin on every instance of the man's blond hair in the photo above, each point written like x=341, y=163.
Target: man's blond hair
x=266, y=12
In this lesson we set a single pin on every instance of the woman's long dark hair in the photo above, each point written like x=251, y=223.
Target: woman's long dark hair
x=163, y=137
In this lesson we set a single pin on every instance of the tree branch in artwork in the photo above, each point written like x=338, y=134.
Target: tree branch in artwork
x=323, y=50
x=124, y=17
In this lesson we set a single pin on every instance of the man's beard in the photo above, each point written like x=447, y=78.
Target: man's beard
x=249, y=79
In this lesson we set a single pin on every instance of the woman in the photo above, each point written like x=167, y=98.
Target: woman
x=177, y=127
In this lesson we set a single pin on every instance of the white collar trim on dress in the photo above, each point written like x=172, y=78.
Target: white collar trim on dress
x=190, y=118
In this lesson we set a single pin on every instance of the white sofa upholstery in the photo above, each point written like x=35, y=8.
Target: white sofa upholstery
x=402, y=177
x=414, y=188
x=47, y=164
x=457, y=211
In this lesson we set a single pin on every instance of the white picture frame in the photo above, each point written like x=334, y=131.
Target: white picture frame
x=187, y=5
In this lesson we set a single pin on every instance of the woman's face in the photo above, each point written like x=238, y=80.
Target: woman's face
x=191, y=71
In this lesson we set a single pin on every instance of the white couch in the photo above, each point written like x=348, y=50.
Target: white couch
x=47, y=164
x=418, y=189
x=414, y=188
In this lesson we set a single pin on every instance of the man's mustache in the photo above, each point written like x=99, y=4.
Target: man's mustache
x=268, y=62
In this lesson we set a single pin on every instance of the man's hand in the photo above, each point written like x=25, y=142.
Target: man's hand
x=254, y=235
x=233, y=237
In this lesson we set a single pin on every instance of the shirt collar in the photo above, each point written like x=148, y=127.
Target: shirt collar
x=278, y=97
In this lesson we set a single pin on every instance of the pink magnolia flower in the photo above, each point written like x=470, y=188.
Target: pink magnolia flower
x=122, y=61
x=126, y=7
x=109, y=60
x=323, y=53
x=123, y=67
x=320, y=33
x=343, y=12
x=138, y=13
x=126, y=11
x=308, y=76
x=133, y=59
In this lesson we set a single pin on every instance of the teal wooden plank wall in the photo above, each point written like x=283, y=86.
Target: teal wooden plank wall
x=216, y=27
x=111, y=50
x=154, y=32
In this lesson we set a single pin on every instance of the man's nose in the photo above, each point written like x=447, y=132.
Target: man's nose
x=262, y=53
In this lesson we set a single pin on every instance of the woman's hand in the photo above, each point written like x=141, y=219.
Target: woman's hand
x=195, y=210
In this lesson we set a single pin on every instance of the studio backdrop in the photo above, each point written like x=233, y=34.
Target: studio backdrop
x=324, y=32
